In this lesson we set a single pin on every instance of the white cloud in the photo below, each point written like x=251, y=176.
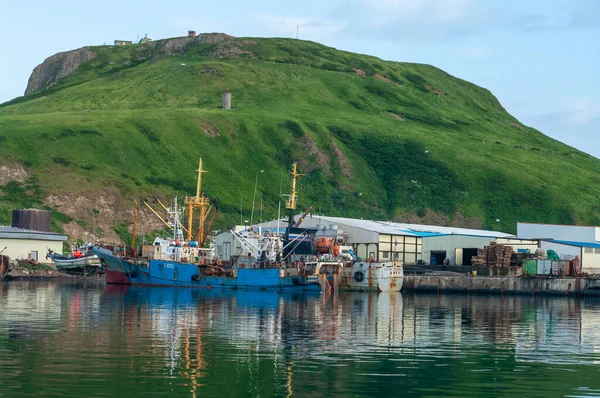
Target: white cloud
x=575, y=122
x=437, y=10
x=309, y=27
x=393, y=19
x=582, y=110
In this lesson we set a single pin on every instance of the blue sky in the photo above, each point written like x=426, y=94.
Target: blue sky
x=541, y=58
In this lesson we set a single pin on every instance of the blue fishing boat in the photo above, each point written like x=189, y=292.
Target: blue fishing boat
x=183, y=262
x=124, y=270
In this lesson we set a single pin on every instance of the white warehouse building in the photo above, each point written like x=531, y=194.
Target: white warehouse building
x=20, y=243
x=568, y=241
x=559, y=232
x=410, y=243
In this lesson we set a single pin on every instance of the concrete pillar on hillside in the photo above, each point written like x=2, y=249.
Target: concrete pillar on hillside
x=227, y=99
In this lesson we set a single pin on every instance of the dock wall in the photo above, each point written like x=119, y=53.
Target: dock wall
x=503, y=285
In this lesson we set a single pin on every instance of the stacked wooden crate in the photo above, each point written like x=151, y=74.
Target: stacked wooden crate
x=494, y=255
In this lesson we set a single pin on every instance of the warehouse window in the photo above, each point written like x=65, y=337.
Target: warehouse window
x=385, y=254
x=597, y=251
x=589, y=250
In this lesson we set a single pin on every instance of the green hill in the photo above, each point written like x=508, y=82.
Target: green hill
x=377, y=139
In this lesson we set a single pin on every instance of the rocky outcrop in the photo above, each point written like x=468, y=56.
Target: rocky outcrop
x=212, y=37
x=56, y=67
x=60, y=65
x=97, y=213
x=230, y=49
x=225, y=46
x=161, y=48
x=12, y=172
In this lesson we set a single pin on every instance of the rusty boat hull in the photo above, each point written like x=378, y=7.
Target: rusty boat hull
x=4, y=265
x=372, y=277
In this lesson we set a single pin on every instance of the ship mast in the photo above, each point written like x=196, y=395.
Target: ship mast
x=290, y=204
x=197, y=202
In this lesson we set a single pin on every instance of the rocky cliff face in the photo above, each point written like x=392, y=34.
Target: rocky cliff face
x=56, y=67
x=61, y=64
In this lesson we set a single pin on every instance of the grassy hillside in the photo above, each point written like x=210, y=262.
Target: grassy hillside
x=377, y=139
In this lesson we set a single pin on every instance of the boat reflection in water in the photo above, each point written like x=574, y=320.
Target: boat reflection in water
x=75, y=340
x=360, y=322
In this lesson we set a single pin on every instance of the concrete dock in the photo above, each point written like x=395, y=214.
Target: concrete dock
x=539, y=285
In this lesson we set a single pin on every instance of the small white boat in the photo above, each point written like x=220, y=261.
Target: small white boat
x=80, y=262
x=338, y=267
x=372, y=277
x=342, y=275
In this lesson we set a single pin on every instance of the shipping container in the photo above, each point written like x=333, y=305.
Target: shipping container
x=529, y=267
x=559, y=267
x=544, y=267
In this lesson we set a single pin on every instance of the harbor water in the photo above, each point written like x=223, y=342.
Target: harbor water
x=82, y=338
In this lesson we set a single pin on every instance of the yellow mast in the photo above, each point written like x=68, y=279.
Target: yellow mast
x=199, y=201
x=290, y=204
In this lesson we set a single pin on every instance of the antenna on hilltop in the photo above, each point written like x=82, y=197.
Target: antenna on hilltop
x=297, y=28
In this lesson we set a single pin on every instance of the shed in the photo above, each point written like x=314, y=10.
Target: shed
x=227, y=99
x=588, y=252
x=20, y=243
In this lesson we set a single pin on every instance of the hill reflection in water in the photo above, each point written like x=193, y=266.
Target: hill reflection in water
x=84, y=338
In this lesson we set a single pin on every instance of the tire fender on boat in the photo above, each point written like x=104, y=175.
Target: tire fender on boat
x=359, y=276
x=133, y=274
x=195, y=277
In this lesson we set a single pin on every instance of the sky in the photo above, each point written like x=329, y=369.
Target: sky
x=541, y=58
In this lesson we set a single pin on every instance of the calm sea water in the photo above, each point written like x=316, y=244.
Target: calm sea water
x=62, y=338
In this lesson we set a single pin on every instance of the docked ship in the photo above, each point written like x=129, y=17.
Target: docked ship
x=186, y=263
x=338, y=267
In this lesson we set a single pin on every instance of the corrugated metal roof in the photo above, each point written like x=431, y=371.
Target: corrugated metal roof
x=595, y=245
x=424, y=234
x=21, y=233
x=388, y=227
